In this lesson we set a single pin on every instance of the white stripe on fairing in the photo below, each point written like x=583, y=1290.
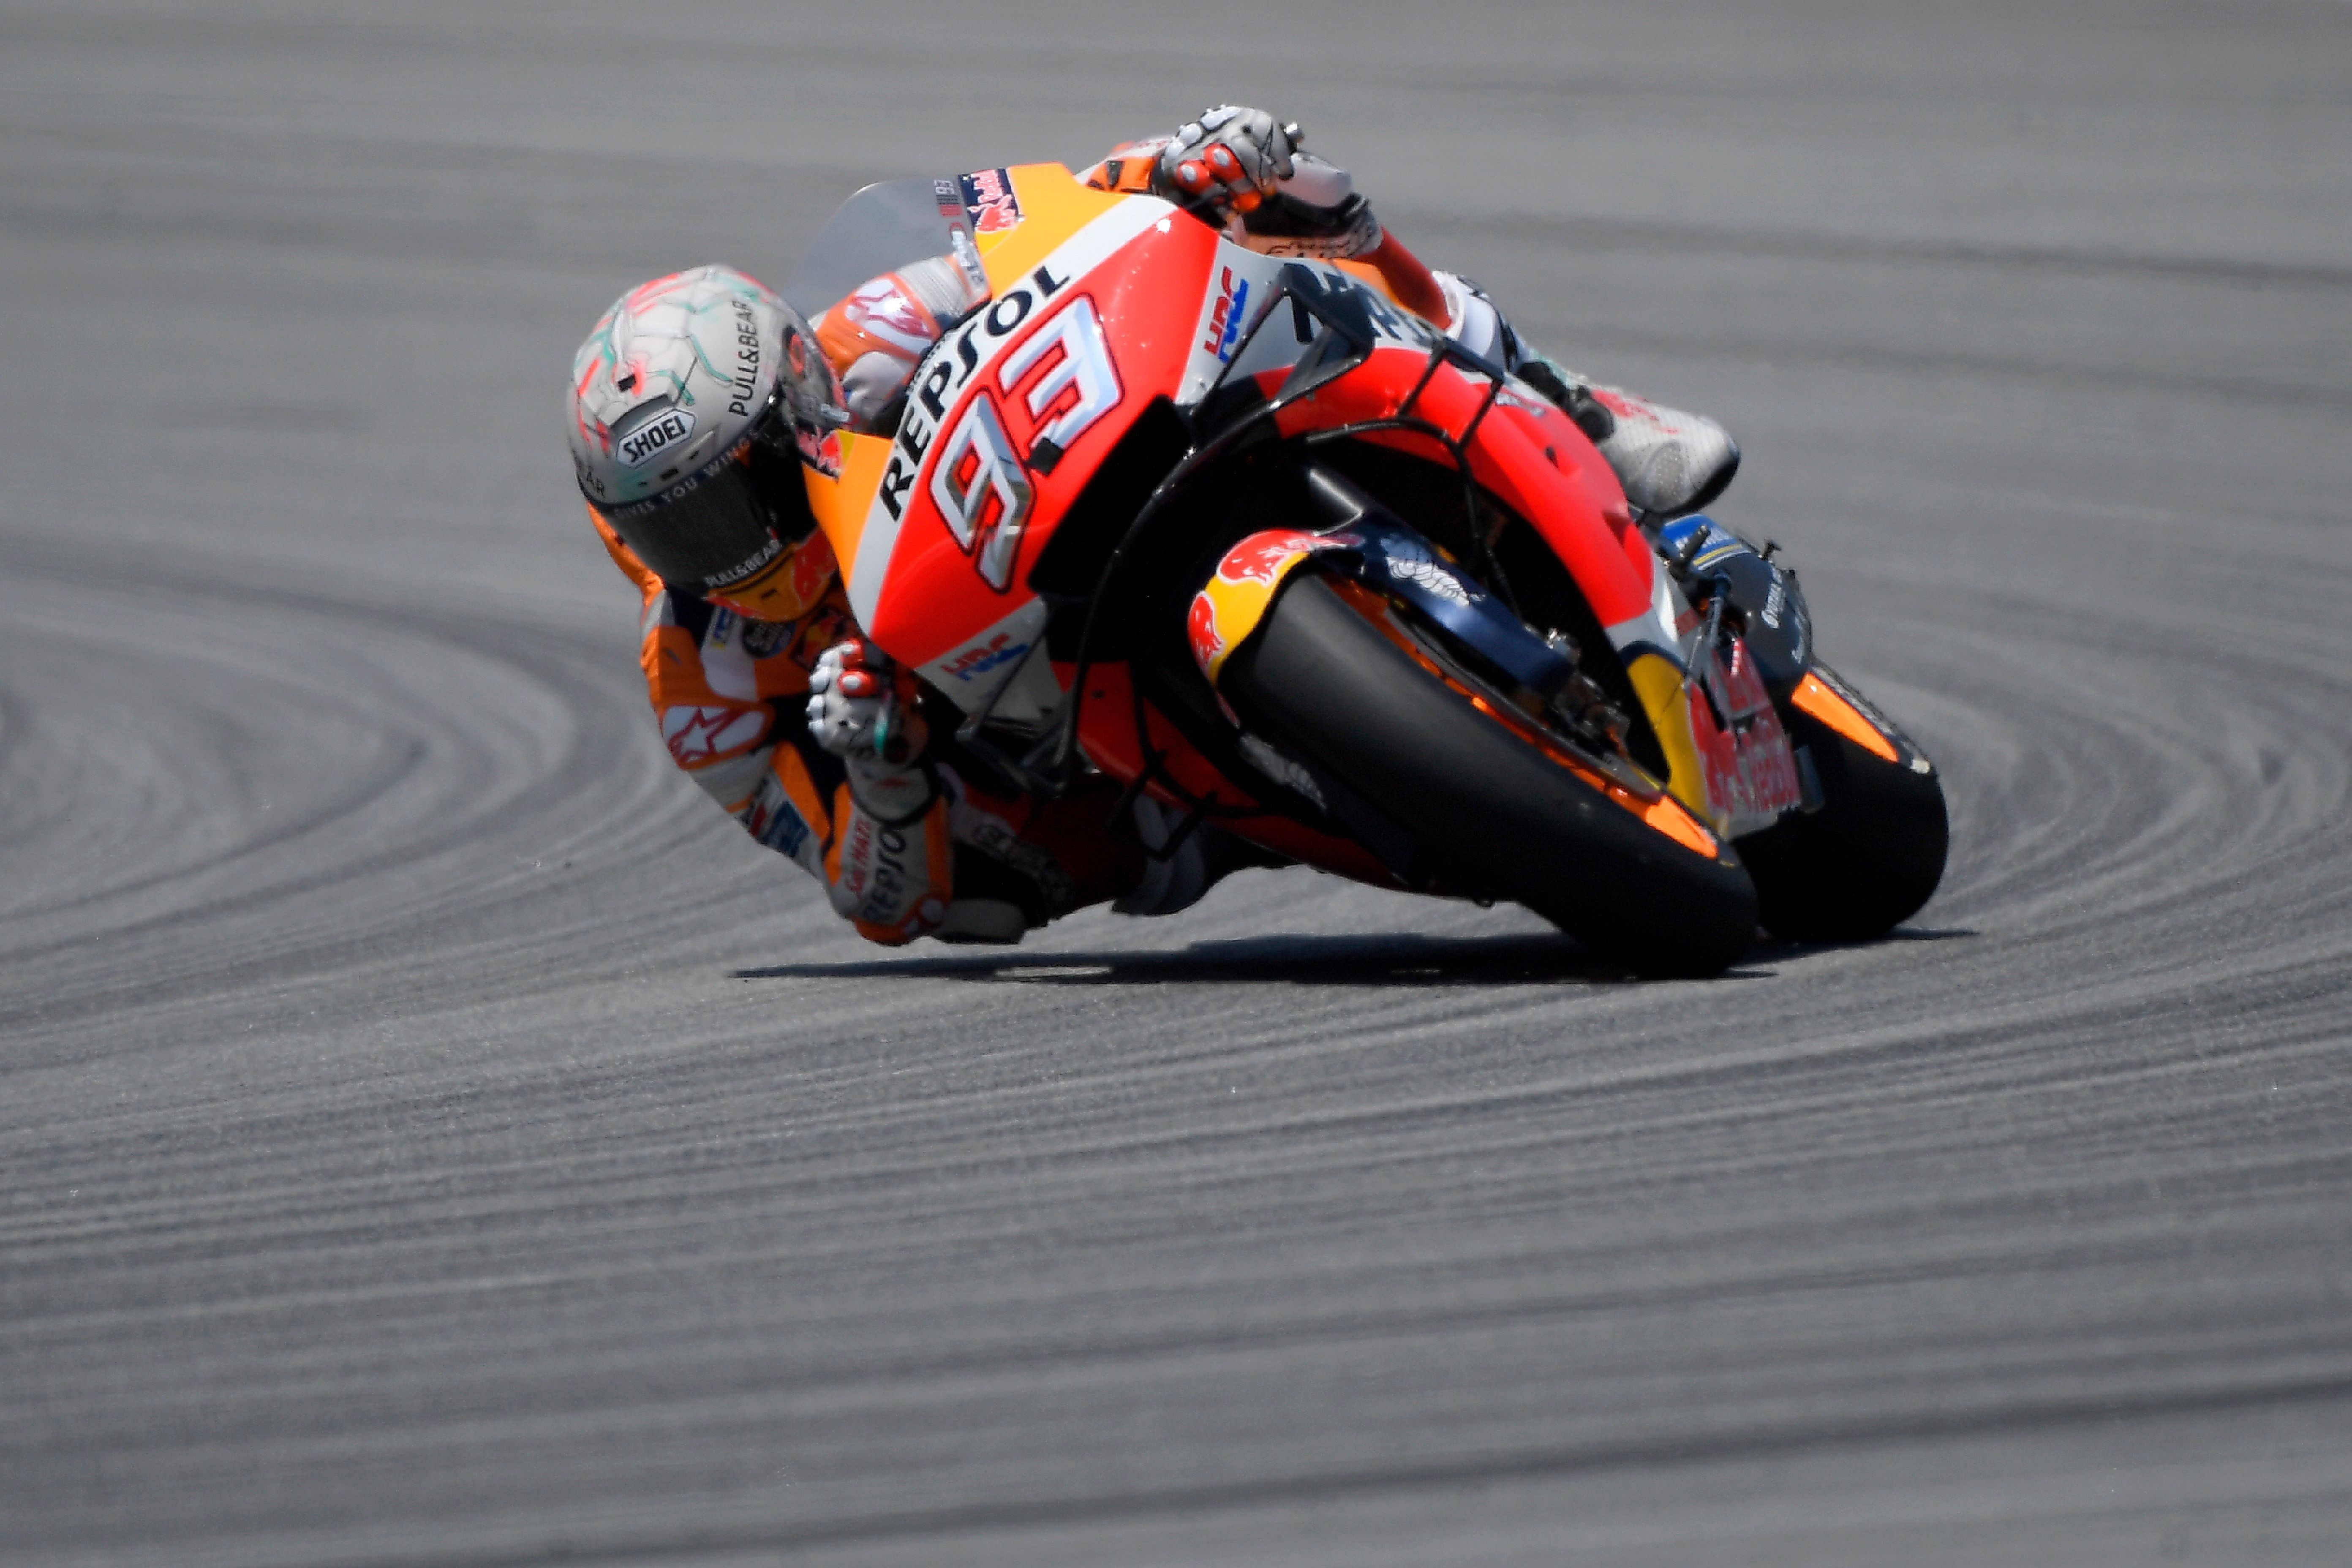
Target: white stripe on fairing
x=1202, y=365
x=1074, y=259
x=1654, y=630
x=1024, y=626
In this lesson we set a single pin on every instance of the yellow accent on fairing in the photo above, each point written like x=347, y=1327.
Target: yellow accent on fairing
x=1660, y=687
x=841, y=504
x=1054, y=207
x=1237, y=605
x=1366, y=273
x=1659, y=813
x=1815, y=696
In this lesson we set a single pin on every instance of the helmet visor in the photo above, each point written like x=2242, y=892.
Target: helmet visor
x=720, y=526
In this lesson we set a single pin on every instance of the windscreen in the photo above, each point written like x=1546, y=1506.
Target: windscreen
x=880, y=229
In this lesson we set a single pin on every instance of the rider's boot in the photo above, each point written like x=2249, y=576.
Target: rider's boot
x=1670, y=462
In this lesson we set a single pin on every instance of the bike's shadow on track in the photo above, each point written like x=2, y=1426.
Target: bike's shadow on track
x=1394, y=959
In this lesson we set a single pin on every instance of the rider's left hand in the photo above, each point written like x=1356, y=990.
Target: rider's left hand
x=1230, y=159
x=855, y=706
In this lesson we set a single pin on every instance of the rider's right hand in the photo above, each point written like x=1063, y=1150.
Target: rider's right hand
x=1230, y=160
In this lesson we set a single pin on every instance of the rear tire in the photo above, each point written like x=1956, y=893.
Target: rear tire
x=1486, y=803
x=1862, y=864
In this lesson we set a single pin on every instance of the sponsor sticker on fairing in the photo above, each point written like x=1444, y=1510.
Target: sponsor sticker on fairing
x=974, y=673
x=967, y=256
x=665, y=431
x=980, y=659
x=1225, y=316
x=1261, y=557
x=1233, y=298
x=958, y=219
x=821, y=453
x=987, y=198
x=1430, y=578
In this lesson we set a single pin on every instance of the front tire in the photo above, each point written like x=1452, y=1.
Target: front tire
x=1870, y=857
x=1486, y=801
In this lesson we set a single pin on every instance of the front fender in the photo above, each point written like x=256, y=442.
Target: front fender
x=1232, y=605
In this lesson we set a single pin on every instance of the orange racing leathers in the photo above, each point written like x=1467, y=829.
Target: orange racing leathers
x=932, y=851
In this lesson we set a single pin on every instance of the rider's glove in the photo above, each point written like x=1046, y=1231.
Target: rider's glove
x=861, y=705
x=1229, y=160
x=1315, y=210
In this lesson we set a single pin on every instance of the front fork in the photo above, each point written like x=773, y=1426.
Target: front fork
x=1732, y=582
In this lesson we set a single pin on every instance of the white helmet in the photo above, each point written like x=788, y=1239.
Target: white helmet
x=690, y=404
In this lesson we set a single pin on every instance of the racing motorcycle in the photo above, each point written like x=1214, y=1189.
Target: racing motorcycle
x=1246, y=534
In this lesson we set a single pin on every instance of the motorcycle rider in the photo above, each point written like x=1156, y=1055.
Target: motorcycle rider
x=698, y=396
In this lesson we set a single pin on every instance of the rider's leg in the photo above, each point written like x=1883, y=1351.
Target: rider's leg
x=1021, y=862
x=1207, y=856
x=1670, y=462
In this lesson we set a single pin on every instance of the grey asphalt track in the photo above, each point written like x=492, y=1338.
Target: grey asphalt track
x=430, y=1135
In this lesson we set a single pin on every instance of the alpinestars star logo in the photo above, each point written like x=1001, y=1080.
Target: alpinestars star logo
x=699, y=735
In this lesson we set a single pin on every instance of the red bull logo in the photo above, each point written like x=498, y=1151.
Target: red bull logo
x=989, y=200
